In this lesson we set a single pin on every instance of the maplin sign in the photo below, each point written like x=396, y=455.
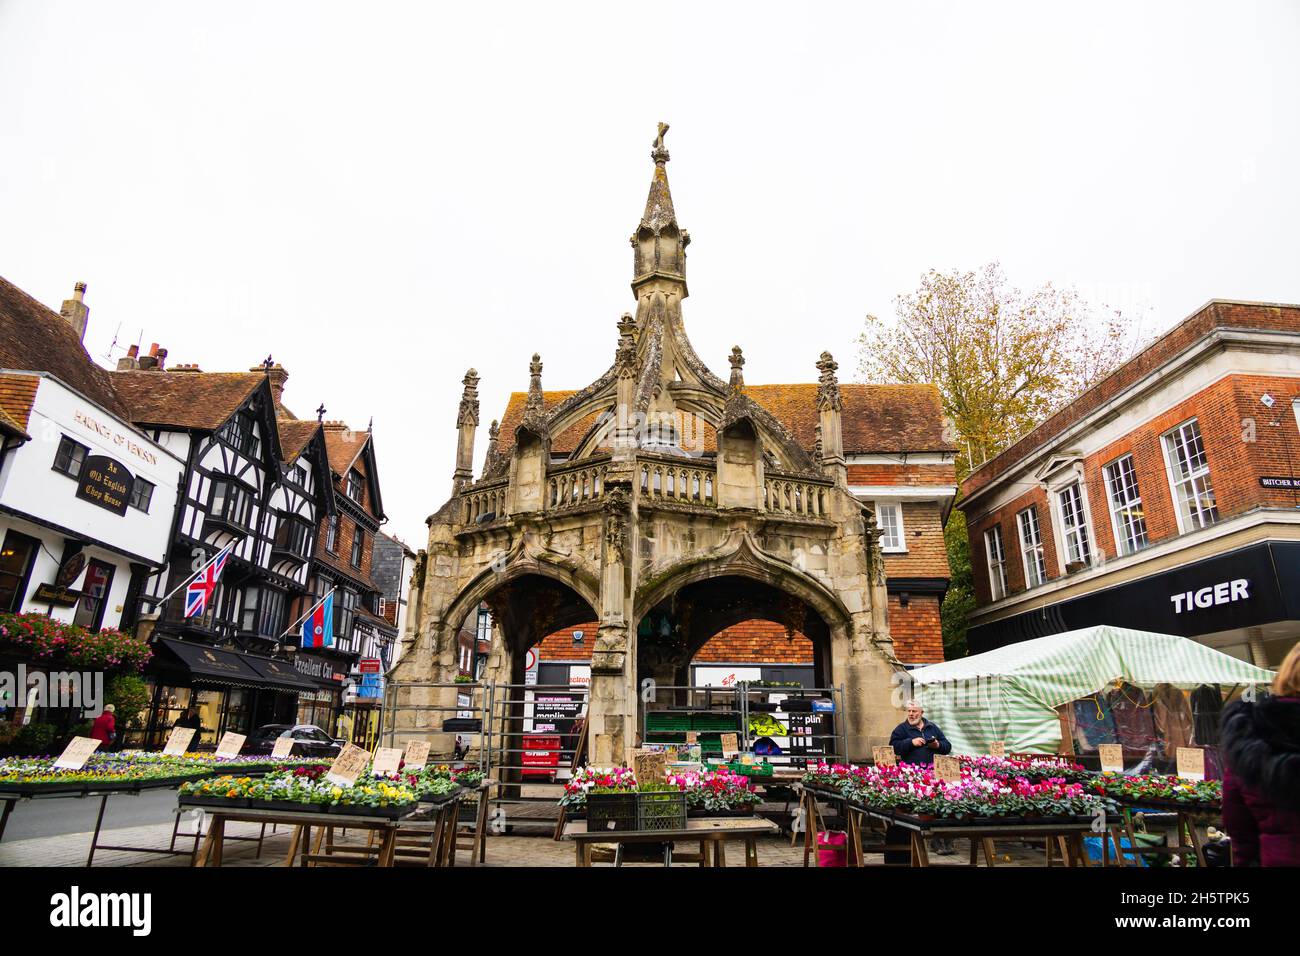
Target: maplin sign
x=105, y=482
x=1225, y=592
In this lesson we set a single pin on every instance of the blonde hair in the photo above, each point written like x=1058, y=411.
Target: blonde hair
x=1287, y=681
x=109, y=708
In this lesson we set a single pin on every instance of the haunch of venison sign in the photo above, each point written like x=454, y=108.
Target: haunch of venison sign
x=105, y=482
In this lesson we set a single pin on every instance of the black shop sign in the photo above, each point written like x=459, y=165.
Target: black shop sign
x=105, y=482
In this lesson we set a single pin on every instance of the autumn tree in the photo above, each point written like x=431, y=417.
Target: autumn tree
x=1002, y=360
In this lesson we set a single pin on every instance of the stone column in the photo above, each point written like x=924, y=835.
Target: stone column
x=467, y=423
x=611, y=710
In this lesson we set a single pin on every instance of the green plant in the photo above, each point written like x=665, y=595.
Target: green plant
x=35, y=737
x=129, y=695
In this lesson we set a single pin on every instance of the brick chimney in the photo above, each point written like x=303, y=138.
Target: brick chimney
x=130, y=361
x=76, y=311
x=152, y=362
x=278, y=377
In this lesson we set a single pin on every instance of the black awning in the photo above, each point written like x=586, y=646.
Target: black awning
x=279, y=674
x=211, y=665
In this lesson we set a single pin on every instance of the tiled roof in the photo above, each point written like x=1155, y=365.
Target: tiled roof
x=185, y=399
x=17, y=393
x=876, y=418
x=36, y=338
x=294, y=436
x=343, y=445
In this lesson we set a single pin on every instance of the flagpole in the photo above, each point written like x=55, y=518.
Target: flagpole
x=288, y=630
x=157, y=602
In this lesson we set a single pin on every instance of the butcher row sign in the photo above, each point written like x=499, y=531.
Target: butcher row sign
x=1225, y=592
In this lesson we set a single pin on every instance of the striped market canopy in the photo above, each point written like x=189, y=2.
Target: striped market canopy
x=1011, y=694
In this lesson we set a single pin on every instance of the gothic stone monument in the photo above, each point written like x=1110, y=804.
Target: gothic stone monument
x=659, y=489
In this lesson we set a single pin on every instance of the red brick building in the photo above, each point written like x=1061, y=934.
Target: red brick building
x=899, y=461
x=1165, y=498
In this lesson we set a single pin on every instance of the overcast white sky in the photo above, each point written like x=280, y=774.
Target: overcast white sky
x=382, y=195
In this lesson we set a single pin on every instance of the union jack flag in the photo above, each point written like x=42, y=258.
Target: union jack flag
x=200, y=589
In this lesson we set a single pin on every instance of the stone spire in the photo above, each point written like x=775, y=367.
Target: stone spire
x=467, y=422
x=535, y=408
x=625, y=354
x=737, y=367
x=659, y=243
x=829, y=407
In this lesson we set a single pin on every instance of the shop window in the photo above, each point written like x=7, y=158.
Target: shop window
x=1031, y=547
x=141, y=495
x=16, y=560
x=1126, y=506
x=94, y=596
x=69, y=457
x=1074, y=525
x=1189, y=477
x=997, y=562
x=889, y=518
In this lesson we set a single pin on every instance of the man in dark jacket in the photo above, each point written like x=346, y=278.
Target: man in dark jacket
x=916, y=740
x=1260, y=743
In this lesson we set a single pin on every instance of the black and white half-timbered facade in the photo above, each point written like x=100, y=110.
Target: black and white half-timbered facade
x=258, y=483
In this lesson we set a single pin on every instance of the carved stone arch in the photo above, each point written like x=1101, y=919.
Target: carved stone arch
x=489, y=581
x=743, y=559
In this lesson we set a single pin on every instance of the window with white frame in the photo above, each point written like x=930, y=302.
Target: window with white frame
x=997, y=562
x=1126, y=506
x=1074, y=525
x=889, y=517
x=1189, y=477
x=1031, y=547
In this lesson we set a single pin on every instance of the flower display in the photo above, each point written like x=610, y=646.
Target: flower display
x=43, y=640
x=1156, y=789
x=37, y=772
x=295, y=787
x=716, y=791
x=989, y=787
x=586, y=780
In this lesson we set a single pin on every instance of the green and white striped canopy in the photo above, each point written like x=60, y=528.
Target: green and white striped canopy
x=1011, y=694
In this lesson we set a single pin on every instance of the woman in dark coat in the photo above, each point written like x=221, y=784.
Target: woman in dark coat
x=1260, y=743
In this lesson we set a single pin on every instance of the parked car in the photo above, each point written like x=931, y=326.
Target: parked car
x=308, y=740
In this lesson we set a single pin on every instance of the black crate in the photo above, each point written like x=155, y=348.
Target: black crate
x=660, y=810
x=611, y=811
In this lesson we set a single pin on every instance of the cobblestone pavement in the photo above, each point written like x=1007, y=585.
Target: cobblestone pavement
x=71, y=849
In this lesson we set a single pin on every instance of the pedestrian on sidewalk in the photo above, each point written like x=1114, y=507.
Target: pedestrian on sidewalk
x=1260, y=742
x=104, y=729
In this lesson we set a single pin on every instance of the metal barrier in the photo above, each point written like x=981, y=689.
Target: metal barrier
x=811, y=735
x=469, y=718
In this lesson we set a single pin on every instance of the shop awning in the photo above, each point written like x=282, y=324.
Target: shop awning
x=280, y=675
x=210, y=665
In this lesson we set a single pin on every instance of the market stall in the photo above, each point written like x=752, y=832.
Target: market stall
x=1070, y=693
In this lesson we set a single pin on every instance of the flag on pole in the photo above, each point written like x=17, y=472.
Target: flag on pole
x=318, y=628
x=199, y=591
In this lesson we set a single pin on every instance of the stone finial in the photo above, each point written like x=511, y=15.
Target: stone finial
x=828, y=389
x=817, y=445
x=468, y=414
x=737, y=367
x=320, y=412
x=625, y=354
x=535, y=404
x=494, y=433
x=659, y=152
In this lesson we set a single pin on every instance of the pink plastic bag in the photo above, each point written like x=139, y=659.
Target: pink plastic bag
x=832, y=848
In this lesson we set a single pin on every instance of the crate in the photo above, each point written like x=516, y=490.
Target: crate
x=660, y=810
x=667, y=722
x=611, y=812
x=726, y=723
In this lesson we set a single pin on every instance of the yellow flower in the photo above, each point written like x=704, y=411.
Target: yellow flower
x=336, y=792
